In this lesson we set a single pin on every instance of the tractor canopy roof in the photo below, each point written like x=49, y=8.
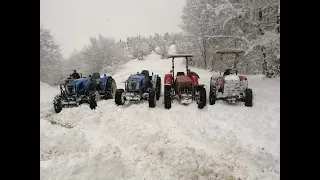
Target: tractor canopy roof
x=179, y=55
x=230, y=50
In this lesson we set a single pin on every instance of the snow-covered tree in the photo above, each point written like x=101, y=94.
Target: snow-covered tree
x=256, y=22
x=103, y=55
x=50, y=58
x=138, y=47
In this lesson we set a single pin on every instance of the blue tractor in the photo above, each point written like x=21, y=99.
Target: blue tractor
x=84, y=90
x=139, y=87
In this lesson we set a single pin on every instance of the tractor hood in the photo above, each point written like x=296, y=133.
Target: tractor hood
x=137, y=77
x=232, y=77
x=183, y=79
x=81, y=86
x=132, y=82
x=77, y=82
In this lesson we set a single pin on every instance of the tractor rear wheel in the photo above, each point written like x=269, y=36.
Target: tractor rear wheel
x=202, y=98
x=152, y=98
x=248, y=100
x=119, y=97
x=212, y=96
x=92, y=100
x=110, y=89
x=158, y=86
x=167, y=96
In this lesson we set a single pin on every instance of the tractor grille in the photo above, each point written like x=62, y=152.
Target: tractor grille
x=71, y=90
x=232, y=86
x=133, y=85
x=185, y=88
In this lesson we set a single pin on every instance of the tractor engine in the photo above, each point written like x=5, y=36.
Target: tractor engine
x=184, y=89
x=232, y=88
x=135, y=87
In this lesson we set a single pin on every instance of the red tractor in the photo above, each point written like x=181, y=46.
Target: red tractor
x=183, y=87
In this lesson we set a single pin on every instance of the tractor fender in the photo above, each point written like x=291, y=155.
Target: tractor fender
x=104, y=81
x=168, y=79
x=154, y=80
x=200, y=86
x=195, y=80
x=242, y=78
x=244, y=82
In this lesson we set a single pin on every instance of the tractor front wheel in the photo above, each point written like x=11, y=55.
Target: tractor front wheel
x=202, y=98
x=119, y=97
x=167, y=96
x=57, y=104
x=152, y=98
x=92, y=100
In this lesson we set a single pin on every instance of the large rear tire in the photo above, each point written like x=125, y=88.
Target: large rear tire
x=57, y=104
x=248, y=100
x=202, y=98
x=92, y=100
x=158, y=86
x=119, y=98
x=167, y=96
x=111, y=88
x=152, y=98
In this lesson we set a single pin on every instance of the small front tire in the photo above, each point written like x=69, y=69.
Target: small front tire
x=152, y=98
x=92, y=101
x=57, y=104
x=119, y=98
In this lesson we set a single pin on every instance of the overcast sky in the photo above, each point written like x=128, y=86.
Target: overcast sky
x=72, y=22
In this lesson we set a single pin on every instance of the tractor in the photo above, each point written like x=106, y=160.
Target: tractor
x=75, y=92
x=185, y=87
x=139, y=87
x=230, y=86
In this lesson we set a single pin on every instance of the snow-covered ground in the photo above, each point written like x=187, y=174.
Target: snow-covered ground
x=222, y=141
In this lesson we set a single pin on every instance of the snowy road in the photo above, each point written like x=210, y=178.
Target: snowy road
x=134, y=141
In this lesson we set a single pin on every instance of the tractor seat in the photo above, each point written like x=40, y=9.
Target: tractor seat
x=180, y=74
x=96, y=75
x=145, y=73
